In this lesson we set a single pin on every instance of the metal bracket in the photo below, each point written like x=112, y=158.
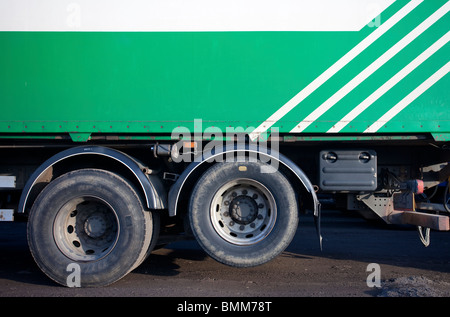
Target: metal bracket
x=381, y=205
x=170, y=176
x=6, y=214
x=7, y=182
x=385, y=208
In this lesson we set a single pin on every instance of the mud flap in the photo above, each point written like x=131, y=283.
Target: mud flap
x=317, y=223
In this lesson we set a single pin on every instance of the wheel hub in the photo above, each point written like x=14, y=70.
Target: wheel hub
x=243, y=210
x=95, y=226
x=86, y=229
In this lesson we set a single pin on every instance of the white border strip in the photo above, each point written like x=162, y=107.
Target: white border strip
x=188, y=15
x=409, y=99
x=330, y=72
x=344, y=91
x=389, y=84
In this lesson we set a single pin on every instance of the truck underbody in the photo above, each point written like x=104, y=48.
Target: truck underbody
x=400, y=179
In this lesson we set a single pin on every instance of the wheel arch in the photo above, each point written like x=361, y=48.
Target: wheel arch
x=149, y=186
x=194, y=169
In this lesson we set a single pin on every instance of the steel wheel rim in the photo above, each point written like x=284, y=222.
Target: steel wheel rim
x=86, y=229
x=243, y=212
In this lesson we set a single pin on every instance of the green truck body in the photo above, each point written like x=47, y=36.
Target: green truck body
x=152, y=82
x=346, y=97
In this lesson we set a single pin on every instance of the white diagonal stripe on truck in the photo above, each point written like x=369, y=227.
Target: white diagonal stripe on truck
x=390, y=83
x=330, y=72
x=409, y=99
x=372, y=68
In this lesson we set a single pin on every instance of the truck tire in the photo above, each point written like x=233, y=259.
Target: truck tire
x=242, y=217
x=92, y=220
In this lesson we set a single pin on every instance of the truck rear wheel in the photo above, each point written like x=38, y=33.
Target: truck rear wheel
x=242, y=217
x=93, y=219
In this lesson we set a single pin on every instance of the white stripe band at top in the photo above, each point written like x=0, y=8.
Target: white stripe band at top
x=188, y=15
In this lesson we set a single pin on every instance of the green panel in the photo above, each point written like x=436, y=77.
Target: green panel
x=154, y=81
x=148, y=83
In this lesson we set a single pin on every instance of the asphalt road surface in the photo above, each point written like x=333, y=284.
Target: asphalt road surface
x=403, y=266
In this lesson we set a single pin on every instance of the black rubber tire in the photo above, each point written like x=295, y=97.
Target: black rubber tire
x=135, y=234
x=232, y=254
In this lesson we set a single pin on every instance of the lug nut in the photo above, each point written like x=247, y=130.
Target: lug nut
x=242, y=228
